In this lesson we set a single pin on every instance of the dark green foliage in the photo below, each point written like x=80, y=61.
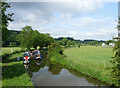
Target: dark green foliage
x=60, y=42
x=12, y=38
x=55, y=51
x=79, y=45
x=64, y=42
x=95, y=43
x=6, y=18
x=13, y=71
x=69, y=43
x=26, y=37
x=107, y=42
x=30, y=38
x=116, y=64
x=12, y=43
x=16, y=51
x=73, y=43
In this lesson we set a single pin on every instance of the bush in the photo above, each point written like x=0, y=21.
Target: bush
x=55, y=51
x=116, y=64
x=79, y=45
x=26, y=50
x=16, y=51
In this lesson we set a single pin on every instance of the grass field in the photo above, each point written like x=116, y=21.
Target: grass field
x=92, y=61
x=8, y=49
x=14, y=74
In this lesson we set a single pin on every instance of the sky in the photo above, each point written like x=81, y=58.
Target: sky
x=79, y=19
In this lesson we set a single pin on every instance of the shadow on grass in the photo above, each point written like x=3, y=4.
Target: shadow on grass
x=5, y=58
x=13, y=71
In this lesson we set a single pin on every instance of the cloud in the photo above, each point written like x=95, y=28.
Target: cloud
x=63, y=18
x=92, y=22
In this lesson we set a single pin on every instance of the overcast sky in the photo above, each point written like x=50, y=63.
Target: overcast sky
x=78, y=19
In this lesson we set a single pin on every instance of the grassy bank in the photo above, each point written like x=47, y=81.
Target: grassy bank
x=92, y=61
x=14, y=73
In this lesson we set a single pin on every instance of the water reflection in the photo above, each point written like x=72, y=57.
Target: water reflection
x=47, y=73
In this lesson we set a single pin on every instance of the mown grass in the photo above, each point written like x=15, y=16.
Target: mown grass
x=92, y=61
x=14, y=74
x=8, y=50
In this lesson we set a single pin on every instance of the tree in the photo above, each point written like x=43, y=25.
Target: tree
x=116, y=64
x=29, y=38
x=107, y=42
x=48, y=39
x=6, y=18
x=90, y=43
x=60, y=42
x=79, y=45
x=36, y=40
x=69, y=43
x=73, y=43
x=111, y=41
x=26, y=37
x=12, y=37
x=95, y=43
x=116, y=60
x=64, y=42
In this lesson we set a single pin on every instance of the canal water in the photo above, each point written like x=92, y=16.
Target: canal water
x=46, y=73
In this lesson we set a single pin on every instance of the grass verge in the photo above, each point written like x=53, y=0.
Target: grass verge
x=14, y=73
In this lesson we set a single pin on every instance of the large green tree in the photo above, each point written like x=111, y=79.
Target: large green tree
x=30, y=38
x=26, y=37
x=42, y=40
x=6, y=18
x=48, y=39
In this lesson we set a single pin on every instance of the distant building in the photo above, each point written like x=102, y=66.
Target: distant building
x=111, y=44
x=103, y=44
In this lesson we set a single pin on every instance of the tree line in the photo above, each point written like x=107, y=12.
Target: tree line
x=70, y=42
x=29, y=38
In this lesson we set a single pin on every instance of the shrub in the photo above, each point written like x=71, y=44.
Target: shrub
x=55, y=51
x=79, y=45
x=16, y=51
x=116, y=64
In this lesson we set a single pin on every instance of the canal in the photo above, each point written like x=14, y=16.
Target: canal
x=46, y=73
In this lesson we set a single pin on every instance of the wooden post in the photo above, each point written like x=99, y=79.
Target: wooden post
x=11, y=50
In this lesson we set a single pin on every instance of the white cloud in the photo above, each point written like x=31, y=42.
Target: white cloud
x=92, y=22
x=69, y=21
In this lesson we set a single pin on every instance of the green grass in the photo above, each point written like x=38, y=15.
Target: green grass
x=92, y=61
x=15, y=74
x=8, y=50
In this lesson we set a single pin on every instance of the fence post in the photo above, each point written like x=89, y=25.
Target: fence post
x=11, y=50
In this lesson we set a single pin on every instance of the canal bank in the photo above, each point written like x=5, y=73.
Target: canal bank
x=50, y=73
x=91, y=61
